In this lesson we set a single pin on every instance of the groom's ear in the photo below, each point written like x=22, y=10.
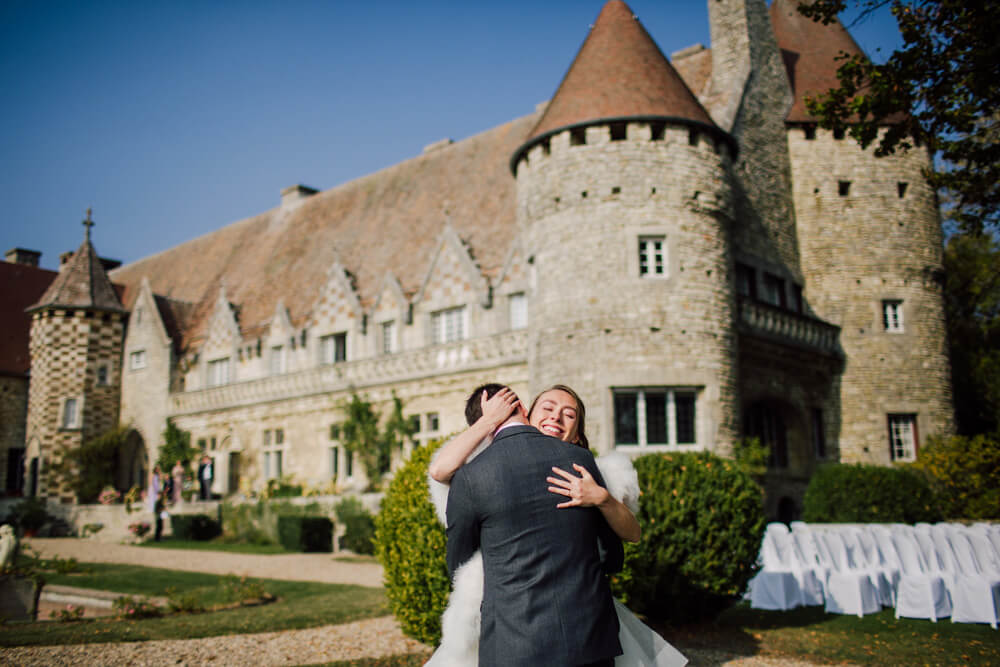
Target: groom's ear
x=522, y=410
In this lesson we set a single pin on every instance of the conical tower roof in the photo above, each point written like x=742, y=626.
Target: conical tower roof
x=619, y=73
x=82, y=283
x=810, y=50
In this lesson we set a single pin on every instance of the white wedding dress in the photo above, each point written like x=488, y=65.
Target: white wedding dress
x=641, y=646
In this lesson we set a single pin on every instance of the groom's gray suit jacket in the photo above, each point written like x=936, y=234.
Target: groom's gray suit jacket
x=546, y=600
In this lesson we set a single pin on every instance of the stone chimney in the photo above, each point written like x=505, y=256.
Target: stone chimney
x=296, y=193
x=23, y=256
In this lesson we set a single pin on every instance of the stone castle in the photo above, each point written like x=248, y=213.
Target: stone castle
x=674, y=238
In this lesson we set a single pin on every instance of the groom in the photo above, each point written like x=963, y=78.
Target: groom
x=546, y=601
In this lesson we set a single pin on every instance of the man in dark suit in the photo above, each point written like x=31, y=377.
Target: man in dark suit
x=546, y=600
x=205, y=477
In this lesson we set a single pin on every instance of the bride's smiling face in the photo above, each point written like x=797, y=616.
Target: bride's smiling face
x=555, y=413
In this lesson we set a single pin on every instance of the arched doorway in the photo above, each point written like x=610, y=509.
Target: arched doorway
x=133, y=463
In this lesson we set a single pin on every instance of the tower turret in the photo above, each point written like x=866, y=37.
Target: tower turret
x=870, y=240
x=625, y=205
x=76, y=340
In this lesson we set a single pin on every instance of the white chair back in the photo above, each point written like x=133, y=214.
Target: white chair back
x=965, y=557
x=986, y=555
x=927, y=549
x=911, y=561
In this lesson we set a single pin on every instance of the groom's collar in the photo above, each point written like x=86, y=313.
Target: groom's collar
x=509, y=429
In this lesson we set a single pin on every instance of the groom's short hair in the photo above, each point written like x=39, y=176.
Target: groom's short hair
x=473, y=405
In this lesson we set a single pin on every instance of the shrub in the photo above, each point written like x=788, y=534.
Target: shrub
x=305, y=533
x=30, y=514
x=860, y=493
x=128, y=607
x=199, y=527
x=702, y=521
x=965, y=474
x=359, y=526
x=410, y=544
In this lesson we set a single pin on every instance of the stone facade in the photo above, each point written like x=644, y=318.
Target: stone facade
x=13, y=420
x=697, y=265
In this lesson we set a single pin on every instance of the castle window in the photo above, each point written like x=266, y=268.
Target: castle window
x=578, y=136
x=746, y=280
x=692, y=137
x=892, y=316
x=797, y=302
x=517, y=307
x=764, y=421
x=616, y=190
x=102, y=376
x=349, y=463
x=618, y=131
x=334, y=462
x=448, y=326
x=657, y=130
x=274, y=455
x=902, y=437
x=137, y=360
x=838, y=133
x=278, y=360
x=71, y=413
x=652, y=257
x=810, y=132
x=654, y=417
x=218, y=372
x=843, y=188
x=818, y=433
x=774, y=290
x=333, y=348
x=901, y=189
x=334, y=431
x=138, y=315
x=390, y=341
x=432, y=422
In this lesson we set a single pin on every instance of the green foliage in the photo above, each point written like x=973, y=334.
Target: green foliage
x=753, y=455
x=972, y=307
x=68, y=614
x=941, y=87
x=184, y=602
x=176, y=446
x=860, y=493
x=359, y=526
x=92, y=466
x=199, y=527
x=410, y=544
x=702, y=521
x=373, y=445
x=257, y=523
x=305, y=533
x=965, y=474
x=128, y=607
x=30, y=514
x=282, y=487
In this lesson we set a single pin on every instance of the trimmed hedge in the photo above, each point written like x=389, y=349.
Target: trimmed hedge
x=410, y=544
x=359, y=526
x=702, y=521
x=965, y=474
x=199, y=527
x=305, y=533
x=861, y=493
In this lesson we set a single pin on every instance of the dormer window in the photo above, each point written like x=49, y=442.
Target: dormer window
x=137, y=360
x=278, y=360
x=448, y=326
x=390, y=344
x=218, y=372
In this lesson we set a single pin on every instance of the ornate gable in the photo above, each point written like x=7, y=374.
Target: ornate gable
x=338, y=307
x=453, y=278
x=223, y=329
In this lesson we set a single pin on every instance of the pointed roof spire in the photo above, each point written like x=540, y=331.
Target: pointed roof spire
x=619, y=73
x=810, y=51
x=82, y=282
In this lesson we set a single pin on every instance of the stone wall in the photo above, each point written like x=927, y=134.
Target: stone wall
x=869, y=231
x=596, y=323
x=13, y=418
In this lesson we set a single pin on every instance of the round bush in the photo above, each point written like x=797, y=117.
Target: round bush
x=702, y=521
x=410, y=544
x=860, y=493
x=965, y=474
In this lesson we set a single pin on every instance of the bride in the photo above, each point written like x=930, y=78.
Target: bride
x=558, y=412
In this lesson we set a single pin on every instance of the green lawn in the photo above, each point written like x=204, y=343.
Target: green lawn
x=812, y=634
x=216, y=545
x=299, y=605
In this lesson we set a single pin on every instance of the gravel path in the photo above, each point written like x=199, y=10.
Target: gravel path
x=351, y=641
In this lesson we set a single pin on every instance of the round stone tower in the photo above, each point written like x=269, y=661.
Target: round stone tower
x=625, y=206
x=870, y=241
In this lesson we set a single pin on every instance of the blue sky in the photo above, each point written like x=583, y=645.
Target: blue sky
x=172, y=118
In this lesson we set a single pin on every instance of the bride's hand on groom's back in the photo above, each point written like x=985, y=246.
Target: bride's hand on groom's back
x=582, y=490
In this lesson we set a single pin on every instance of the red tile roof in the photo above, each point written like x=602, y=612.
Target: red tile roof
x=810, y=50
x=619, y=72
x=388, y=221
x=20, y=286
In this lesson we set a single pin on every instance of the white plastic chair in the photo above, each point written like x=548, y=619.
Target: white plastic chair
x=921, y=593
x=864, y=557
x=975, y=594
x=847, y=591
x=774, y=587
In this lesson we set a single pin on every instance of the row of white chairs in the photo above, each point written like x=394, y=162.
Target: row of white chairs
x=924, y=571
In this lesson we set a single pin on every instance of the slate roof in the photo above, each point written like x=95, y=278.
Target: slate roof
x=81, y=283
x=20, y=286
x=619, y=72
x=389, y=221
x=809, y=50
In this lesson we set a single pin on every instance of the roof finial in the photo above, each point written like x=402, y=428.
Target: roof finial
x=88, y=223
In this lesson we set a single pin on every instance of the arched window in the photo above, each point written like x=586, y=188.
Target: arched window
x=763, y=420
